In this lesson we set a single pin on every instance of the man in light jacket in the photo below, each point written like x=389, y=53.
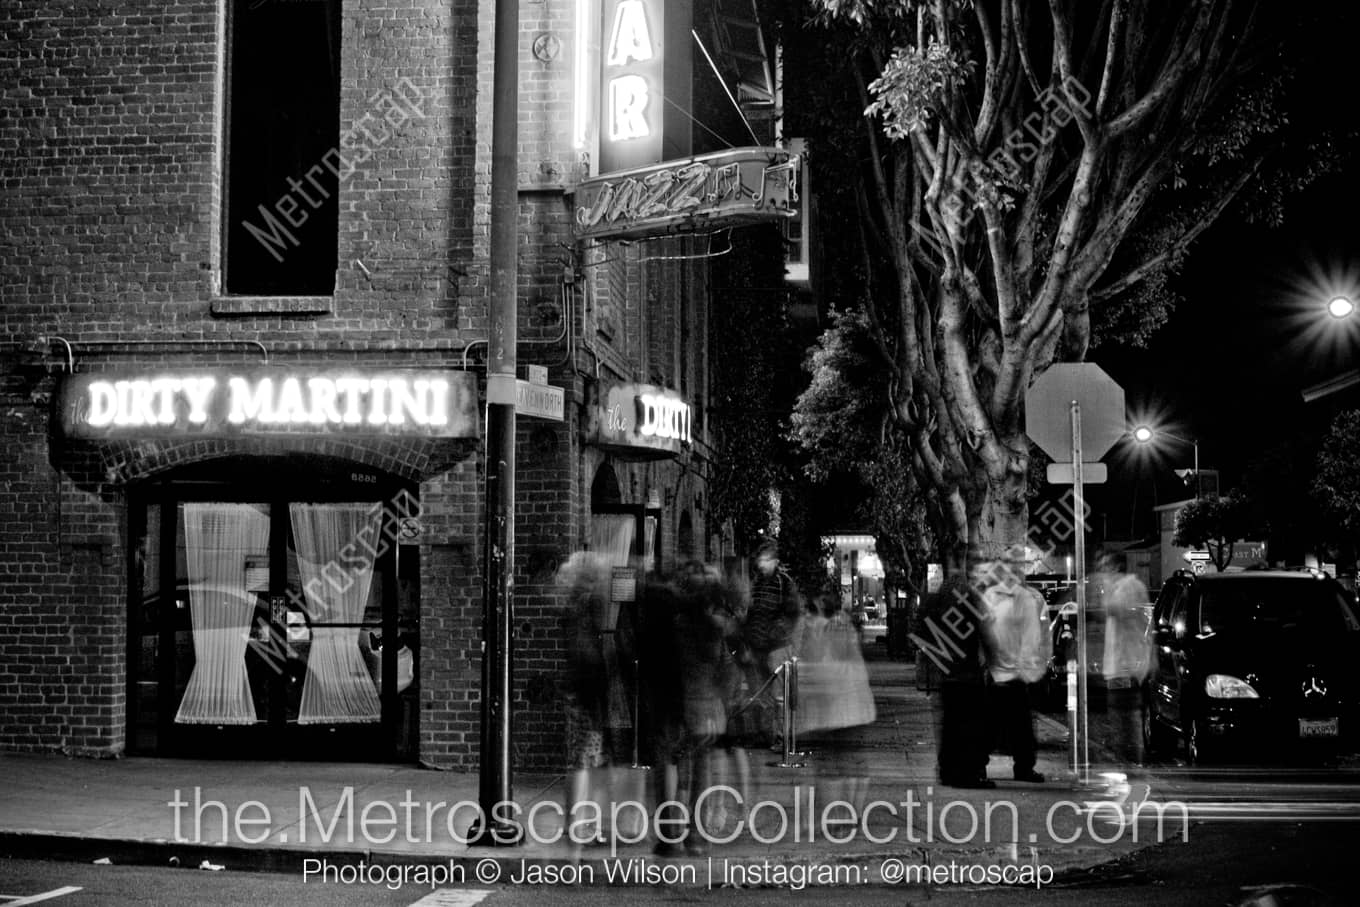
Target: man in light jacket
x=1019, y=656
x=1126, y=658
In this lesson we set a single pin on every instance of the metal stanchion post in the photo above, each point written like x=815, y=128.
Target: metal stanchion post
x=792, y=711
x=1072, y=711
x=637, y=700
x=788, y=760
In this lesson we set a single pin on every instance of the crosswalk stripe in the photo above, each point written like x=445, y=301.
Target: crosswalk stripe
x=45, y=896
x=452, y=897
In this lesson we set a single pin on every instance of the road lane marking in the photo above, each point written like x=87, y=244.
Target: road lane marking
x=45, y=896
x=452, y=897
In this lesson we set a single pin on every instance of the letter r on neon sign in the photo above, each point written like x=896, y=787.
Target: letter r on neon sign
x=628, y=98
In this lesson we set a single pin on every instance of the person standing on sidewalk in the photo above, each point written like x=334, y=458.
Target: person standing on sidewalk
x=952, y=620
x=770, y=629
x=1018, y=657
x=1126, y=658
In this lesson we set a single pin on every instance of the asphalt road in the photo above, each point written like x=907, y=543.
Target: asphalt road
x=1269, y=864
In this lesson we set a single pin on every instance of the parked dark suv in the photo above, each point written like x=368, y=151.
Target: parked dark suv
x=1253, y=663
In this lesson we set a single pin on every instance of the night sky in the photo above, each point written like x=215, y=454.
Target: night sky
x=1229, y=366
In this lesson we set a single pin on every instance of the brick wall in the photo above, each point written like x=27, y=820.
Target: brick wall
x=111, y=171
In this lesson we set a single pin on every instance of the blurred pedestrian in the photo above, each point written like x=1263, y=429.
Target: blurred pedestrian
x=954, y=637
x=1127, y=657
x=585, y=578
x=773, y=620
x=1019, y=654
x=691, y=675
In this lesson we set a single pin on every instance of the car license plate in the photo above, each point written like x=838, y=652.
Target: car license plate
x=1319, y=727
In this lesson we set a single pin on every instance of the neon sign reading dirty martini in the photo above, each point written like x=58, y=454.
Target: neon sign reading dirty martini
x=201, y=404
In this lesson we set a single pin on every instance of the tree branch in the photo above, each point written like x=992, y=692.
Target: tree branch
x=1021, y=26
x=1062, y=56
x=1078, y=201
x=1113, y=50
x=1169, y=80
x=1137, y=273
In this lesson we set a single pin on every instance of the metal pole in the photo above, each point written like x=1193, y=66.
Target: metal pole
x=792, y=712
x=637, y=716
x=788, y=760
x=1081, y=728
x=1197, y=482
x=498, y=575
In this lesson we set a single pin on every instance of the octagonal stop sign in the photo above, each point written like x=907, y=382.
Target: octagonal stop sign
x=1048, y=410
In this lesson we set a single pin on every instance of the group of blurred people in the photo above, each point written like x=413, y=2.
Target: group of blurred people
x=698, y=656
x=993, y=641
x=988, y=640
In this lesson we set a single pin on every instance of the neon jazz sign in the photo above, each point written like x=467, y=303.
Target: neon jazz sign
x=214, y=404
x=729, y=188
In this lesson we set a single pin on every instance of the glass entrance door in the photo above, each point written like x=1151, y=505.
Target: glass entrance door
x=276, y=627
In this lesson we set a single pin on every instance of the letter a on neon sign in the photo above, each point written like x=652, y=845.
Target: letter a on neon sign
x=629, y=39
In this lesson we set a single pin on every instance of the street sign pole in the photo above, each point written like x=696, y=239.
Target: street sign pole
x=498, y=563
x=1080, y=727
x=1075, y=412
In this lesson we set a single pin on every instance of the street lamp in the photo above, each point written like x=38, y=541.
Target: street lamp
x=1340, y=308
x=1145, y=434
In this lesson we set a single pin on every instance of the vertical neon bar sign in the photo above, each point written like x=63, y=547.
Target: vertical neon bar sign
x=631, y=84
x=582, y=76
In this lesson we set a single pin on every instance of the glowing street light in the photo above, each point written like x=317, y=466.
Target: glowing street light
x=1145, y=434
x=1340, y=307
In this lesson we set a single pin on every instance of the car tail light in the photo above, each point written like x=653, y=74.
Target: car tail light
x=1225, y=686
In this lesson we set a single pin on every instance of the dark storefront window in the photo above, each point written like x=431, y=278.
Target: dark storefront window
x=262, y=607
x=283, y=134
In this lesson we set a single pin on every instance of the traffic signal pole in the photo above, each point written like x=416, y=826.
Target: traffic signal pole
x=498, y=531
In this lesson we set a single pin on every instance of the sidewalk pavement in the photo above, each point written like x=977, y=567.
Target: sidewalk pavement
x=290, y=816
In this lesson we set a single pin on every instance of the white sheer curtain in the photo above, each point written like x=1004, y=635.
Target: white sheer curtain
x=218, y=538
x=611, y=536
x=338, y=688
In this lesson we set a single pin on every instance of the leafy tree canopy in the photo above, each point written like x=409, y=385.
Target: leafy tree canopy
x=1214, y=522
x=1006, y=183
x=1337, y=485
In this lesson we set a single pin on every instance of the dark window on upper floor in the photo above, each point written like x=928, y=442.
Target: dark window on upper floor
x=282, y=140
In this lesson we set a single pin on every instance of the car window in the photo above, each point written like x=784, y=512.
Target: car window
x=1270, y=604
x=1179, y=605
x=1173, y=594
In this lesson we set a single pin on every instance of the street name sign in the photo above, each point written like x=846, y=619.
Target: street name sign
x=1063, y=474
x=541, y=400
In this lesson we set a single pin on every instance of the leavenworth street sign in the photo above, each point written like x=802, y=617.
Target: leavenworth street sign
x=541, y=400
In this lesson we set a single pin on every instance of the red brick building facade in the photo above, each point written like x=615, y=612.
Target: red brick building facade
x=177, y=201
